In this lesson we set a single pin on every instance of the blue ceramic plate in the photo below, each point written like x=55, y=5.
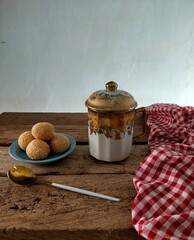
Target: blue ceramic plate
x=19, y=155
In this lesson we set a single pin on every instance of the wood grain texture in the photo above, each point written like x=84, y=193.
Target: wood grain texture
x=44, y=212
x=41, y=207
x=80, y=162
x=75, y=124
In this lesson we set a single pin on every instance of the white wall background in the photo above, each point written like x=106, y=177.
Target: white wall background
x=55, y=53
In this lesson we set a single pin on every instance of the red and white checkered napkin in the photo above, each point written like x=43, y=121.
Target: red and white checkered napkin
x=164, y=206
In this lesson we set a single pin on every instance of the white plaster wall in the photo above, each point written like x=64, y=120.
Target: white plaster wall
x=55, y=53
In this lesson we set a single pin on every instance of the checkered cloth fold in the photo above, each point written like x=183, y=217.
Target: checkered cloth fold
x=164, y=206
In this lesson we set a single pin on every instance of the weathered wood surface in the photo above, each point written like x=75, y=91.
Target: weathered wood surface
x=80, y=162
x=75, y=124
x=44, y=212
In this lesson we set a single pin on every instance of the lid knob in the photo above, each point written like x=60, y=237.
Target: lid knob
x=111, y=86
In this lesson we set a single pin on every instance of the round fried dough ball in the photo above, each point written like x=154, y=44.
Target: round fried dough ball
x=24, y=139
x=37, y=149
x=59, y=143
x=43, y=131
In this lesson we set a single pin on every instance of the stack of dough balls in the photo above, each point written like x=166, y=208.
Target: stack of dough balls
x=42, y=140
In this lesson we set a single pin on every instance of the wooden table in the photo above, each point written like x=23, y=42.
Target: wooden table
x=44, y=212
